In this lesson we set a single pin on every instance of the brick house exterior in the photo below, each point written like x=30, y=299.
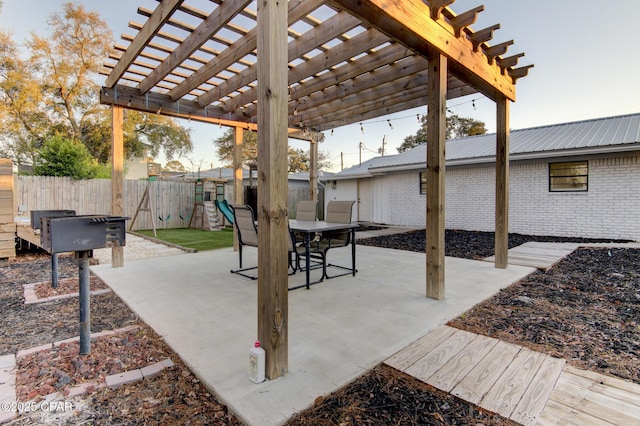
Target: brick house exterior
x=605, y=204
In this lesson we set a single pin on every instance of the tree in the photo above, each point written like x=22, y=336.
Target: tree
x=144, y=135
x=23, y=123
x=298, y=159
x=53, y=91
x=174, y=166
x=457, y=127
x=60, y=156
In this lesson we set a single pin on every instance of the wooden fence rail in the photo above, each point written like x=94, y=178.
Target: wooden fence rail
x=172, y=201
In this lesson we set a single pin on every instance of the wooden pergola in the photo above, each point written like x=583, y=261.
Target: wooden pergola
x=295, y=69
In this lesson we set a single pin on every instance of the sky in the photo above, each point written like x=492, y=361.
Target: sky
x=586, y=60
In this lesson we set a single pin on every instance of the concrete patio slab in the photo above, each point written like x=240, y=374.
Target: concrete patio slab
x=337, y=330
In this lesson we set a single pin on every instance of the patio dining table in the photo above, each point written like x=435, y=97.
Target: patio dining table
x=309, y=228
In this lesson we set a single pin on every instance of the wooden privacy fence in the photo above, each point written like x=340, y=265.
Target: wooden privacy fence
x=172, y=201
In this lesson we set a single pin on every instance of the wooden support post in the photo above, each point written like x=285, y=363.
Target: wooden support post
x=313, y=169
x=272, y=186
x=502, y=183
x=238, y=196
x=117, y=175
x=436, y=136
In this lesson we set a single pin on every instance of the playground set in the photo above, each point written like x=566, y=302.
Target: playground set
x=210, y=209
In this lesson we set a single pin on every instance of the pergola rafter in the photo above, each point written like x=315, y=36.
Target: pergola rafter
x=296, y=68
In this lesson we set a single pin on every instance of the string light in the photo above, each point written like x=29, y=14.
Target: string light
x=361, y=128
x=390, y=125
x=419, y=117
x=159, y=109
x=129, y=103
x=331, y=132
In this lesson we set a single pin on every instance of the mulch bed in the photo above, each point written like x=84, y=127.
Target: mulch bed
x=385, y=396
x=585, y=309
x=173, y=397
x=67, y=286
x=473, y=245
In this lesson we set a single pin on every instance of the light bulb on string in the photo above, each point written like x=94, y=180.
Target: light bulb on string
x=361, y=129
x=390, y=125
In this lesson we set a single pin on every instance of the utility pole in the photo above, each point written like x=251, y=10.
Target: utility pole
x=341, y=161
x=360, y=153
x=384, y=142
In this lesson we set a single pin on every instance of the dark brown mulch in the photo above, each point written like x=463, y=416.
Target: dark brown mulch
x=67, y=286
x=385, y=396
x=586, y=309
x=62, y=367
x=27, y=326
x=465, y=244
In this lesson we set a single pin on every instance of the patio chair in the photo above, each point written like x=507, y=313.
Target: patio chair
x=307, y=210
x=247, y=231
x=337, y=212
x=298, y=252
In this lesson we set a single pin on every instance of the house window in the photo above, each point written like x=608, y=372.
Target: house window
x=423, y=183
x=570, y=176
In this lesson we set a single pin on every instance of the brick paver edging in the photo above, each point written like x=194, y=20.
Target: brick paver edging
x=31, y=297
x=113, y=381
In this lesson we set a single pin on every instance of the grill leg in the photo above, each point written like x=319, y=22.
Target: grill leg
x=54, y=270
x=85, y=316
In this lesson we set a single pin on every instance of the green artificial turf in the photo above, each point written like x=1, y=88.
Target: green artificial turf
x=194, y=238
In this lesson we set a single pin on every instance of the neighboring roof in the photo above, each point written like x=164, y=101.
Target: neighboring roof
x=596, y=136
x=227, y=173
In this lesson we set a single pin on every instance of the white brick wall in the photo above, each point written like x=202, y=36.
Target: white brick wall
x=609, y=209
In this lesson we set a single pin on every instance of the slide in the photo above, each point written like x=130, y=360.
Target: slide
x=224, y=208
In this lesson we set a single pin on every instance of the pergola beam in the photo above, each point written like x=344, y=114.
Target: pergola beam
x=157, y=103
x=197, y=38
x=436, y=137
x=117, y=176
x=408, y=22
x=273, y=302
x=502, y=183
x=160, y=15
x=332, y=28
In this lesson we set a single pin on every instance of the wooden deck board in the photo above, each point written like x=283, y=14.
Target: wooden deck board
x=515, y=382
x=613, y=382
x=537, y=394
x=621, y=404
x=503, y=397
x=478, y=382
x=438, y=357
x=462, y=364
x=538, y=255
x=596, y=405
x=418, y=349
x=28, y=234
x=556, y=414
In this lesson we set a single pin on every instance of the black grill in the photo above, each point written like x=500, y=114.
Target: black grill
x=82, y=233
x=37, y=215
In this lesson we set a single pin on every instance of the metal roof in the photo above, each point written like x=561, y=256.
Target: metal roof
x=601, y=135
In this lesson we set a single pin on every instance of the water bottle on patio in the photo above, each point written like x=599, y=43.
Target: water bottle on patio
x=256, y=363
